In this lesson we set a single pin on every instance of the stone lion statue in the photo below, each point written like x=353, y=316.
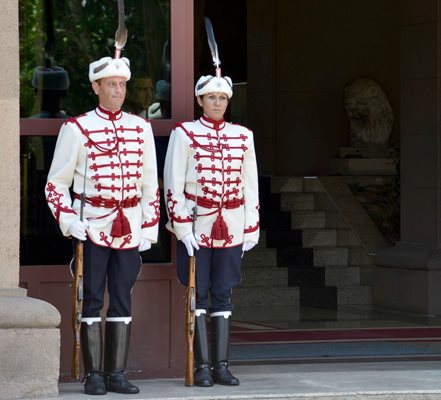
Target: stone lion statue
x=370, y=114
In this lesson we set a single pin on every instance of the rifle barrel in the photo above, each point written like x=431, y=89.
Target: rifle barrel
x=190, y=320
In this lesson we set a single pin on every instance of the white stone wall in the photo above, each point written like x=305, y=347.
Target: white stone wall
x=9, y=138
x=29, y=337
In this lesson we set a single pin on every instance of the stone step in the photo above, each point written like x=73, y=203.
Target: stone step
x=280, y=184
x=263, y=277
x=333, y=219
x=317, y=219
x=270, y=295
x=308, y=219
x=359, y=256
x=306, y=275
x=296, y=184
x=353, y=295
x=262, y=240
x=347, y=238
x=332, y=256
x=319, y=237
x=270, y=201
x=272, y=219
x=364, y=152
x=319, y=297
x=342, y=276
x=365, y=181
x=297, y=202
x=291, y=315
x=363, y=166
x=289, y=256
x=266, y=314
x=312, y=185
x=322, y=201
x=260, y=257
x=355, y=314
x=366, y=274
x=283, y=238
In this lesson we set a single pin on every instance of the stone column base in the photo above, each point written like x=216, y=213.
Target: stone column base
x=30, y=346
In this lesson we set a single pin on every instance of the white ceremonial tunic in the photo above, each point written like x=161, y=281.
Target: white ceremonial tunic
x=121, y=178
x=216, y=162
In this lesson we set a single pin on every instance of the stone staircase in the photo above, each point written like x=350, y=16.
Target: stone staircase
x=308, y=257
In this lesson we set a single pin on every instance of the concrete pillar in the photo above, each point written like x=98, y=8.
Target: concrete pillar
x=29, y=337
x=408, y=276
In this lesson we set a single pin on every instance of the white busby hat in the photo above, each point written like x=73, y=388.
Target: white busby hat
x=116, y=66
x=210, y=84
x=108, y=66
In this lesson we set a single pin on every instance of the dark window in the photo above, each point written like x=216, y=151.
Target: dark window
x=59, y=40
x=229, y=19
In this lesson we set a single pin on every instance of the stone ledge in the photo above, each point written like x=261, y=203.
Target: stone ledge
x=363, y=166
x=365, y=152
x=27, y=312
x=394, y=290
x=16, y=292
x=409, y=255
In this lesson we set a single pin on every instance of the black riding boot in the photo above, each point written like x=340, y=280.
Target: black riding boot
x=92, y=349
x=115, y=358
x=220, y=335
x=202, y=374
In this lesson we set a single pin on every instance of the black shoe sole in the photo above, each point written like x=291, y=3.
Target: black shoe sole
x=95, y=394
x=122, y=391
x=203, y=384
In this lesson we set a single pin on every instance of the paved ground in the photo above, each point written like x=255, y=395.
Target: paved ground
x=413, y=380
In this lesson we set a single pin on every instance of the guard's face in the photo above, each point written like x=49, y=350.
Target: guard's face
x=111, y=92
x=214, y=104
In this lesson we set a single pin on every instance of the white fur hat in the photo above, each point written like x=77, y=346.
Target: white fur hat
x=108, y=66
x=211, y=84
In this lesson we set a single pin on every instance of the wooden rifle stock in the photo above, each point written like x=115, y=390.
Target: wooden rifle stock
x=77, y=308
x=190, y=320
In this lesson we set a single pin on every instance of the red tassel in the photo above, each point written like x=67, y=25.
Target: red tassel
x=121, y=225
x=219, y=231
x=116, y=227
x=125, y=225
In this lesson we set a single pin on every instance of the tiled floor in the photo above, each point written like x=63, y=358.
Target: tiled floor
x=349, y=318
x=317, y=381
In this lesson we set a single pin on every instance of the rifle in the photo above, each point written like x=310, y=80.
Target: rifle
x=190, y=320
x=77, y=308
x=191, y=312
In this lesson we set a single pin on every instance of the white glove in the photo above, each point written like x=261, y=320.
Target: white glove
x=190, y=243
x=144, y=244
x=78, y=229
x=247, y=246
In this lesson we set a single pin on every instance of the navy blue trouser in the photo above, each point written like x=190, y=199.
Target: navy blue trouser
x=119, y=268
x=217, y=272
